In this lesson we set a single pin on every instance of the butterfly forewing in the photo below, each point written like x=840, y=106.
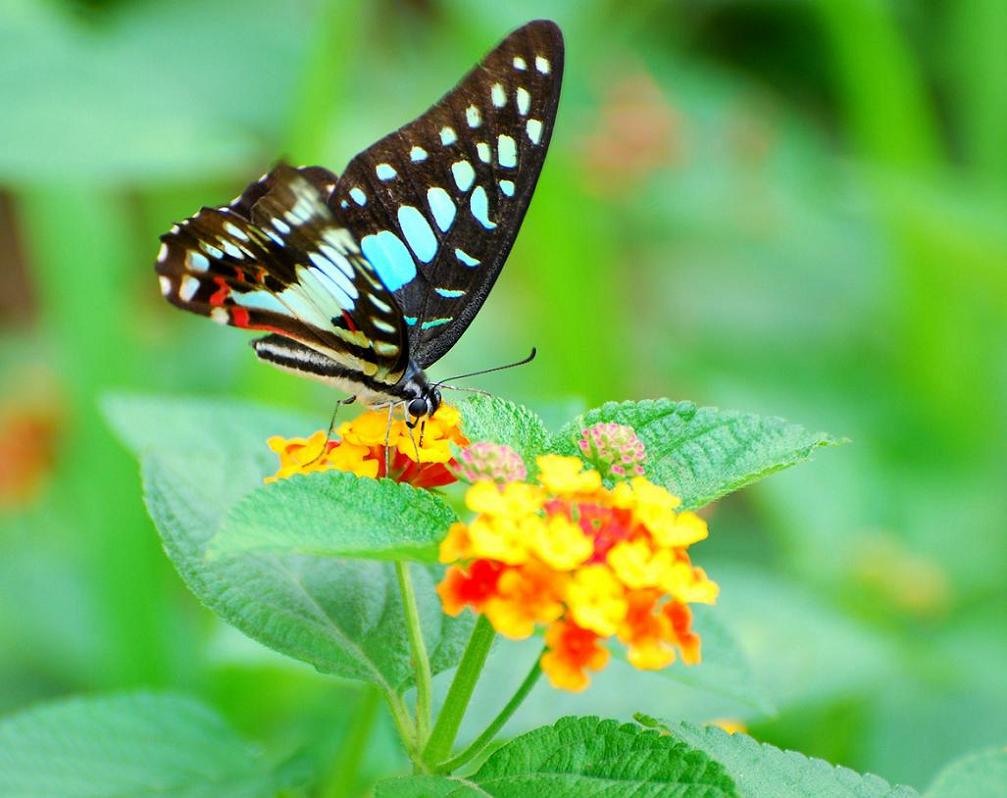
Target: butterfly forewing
x=277, y=259
x=436, y=205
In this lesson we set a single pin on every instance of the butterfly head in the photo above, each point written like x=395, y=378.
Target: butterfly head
x=425, y=404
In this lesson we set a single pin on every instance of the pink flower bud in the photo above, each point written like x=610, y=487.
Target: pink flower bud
x=614, y=449
x=493, y=461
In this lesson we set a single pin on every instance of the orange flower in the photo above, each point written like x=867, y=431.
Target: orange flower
x=572, y=652
x=586, y=561
x=372, y=445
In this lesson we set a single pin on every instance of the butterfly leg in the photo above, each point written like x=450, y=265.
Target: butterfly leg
x=388, y=435
x=412, y=440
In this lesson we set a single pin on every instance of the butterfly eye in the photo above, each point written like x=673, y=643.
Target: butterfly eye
x=418, y=407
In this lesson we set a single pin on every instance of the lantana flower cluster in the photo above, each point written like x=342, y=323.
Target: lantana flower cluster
x=420, y=456
x=585, y=561
x=566, y=552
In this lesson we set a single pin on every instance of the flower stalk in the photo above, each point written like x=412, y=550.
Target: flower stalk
x=479, y=743
x=460, y=693
x=421, y=662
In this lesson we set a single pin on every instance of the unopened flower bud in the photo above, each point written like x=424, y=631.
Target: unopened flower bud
x=490, y=461
x=614, y=449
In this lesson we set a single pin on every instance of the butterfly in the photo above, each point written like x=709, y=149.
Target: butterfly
x=366, y=279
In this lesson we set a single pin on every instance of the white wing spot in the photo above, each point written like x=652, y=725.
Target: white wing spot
x=534, y=128
x=162, y=253
x=473, y=116
x=520, y=64
x=196, y=262
x=231, y=250
x=506, y=151
x=484, y=151
x=220, y=315
x=507, y=187
x=418, y=154
x=523, y=101
x=498, y=95
x=385, y=171
x=542, y=65
x=211, y=250
x=188, y=287
x=464, y=174
x=235, y=231
x=442, y=207
x=344, y=204
x=280, y=225
x=358, y=195
x=165, y=284
x=465, y=258
x=448, y=136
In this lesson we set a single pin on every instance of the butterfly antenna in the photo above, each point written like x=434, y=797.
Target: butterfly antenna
x=515, y=364
x=467, y=390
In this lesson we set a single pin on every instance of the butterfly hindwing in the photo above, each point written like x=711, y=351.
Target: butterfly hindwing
x=277, y=259
x=436, y=205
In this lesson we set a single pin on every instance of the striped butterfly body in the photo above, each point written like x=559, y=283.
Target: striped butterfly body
x=366, y=279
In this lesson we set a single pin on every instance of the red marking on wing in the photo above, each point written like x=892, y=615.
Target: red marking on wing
x=239, y=316
x=349, y=322
x=218, y=296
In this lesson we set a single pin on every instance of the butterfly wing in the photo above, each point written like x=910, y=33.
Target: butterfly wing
x=436, y=205
x=278, y=259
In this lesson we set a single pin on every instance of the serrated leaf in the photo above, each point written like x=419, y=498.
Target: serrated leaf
x=763, y=771
x=582, y=756
x=495, y=420
x=701, y=454
x=336, y=514
x=202, y=458
x=128, y=745
x=979, y=775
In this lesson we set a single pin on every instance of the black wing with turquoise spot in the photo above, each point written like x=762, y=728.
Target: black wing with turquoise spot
x=437, y=204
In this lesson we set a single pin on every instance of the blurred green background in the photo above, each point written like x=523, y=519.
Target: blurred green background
x=790, y=207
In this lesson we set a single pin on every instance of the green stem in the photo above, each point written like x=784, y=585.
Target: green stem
x=460, y=692
x=479, y=743
x=346, y=768
x=403, y=723
x=420, y=660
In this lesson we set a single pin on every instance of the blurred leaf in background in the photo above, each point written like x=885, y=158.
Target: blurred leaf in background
x=792, y=208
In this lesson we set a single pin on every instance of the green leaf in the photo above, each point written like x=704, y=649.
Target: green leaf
x=578, y=757
x=701, y=454
x=978, y=775
x=495, y=420
x=128, y=745
x=336, y=514
x=200, y=460
x=762, y=771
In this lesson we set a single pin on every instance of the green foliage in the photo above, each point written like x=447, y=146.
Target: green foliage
x=762, y=771
x=343, y=616
x=979, y=775
x=725, y=669
x=701, y=454
x=495, y=420
x=336, y=514
x=140, y=745
x=577, y=757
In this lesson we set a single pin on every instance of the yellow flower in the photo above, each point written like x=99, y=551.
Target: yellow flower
x=565, y=476
x=514, y=498
x=560, y=543
x=420, y=457
x=637, y=564
x=688, y=584
x=597, y=600
x=501, y=539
